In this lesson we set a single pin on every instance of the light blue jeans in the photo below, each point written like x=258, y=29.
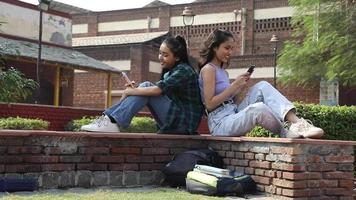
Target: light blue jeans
x=263, y=105
x=124, y=111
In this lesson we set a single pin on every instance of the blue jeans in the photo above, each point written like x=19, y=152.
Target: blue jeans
x=125, y=110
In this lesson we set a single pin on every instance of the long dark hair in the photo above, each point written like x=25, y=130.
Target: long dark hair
x=215, y=38
x=178, y=47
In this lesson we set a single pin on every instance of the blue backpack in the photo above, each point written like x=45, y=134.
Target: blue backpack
x=17, y=185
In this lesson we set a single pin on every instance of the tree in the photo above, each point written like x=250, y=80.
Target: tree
x=323, y=44
x=14, y=87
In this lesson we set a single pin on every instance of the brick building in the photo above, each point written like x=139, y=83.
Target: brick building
x=252, y=22
x=19, y=49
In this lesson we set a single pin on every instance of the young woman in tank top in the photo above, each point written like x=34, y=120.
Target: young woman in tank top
x=263, y=105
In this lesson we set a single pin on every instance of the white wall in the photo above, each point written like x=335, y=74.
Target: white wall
x=79, y=28
x=269, y=13
x=24, y=22
x=127, y=25
x=260, y=72
x=155, y=67
x=207, y=19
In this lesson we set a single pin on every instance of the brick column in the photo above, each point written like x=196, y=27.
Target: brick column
x=308, y=171
x=249, y=33
x=164, y=18
x=137, y=69
x=67, y=87
x=92, y=25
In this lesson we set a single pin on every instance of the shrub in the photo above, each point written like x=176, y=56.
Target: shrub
x=75, y=125
x=338, y=122
x=142, y=125
x=138, y=125
x=23, y=123
x=258, y=131
x=15, y=87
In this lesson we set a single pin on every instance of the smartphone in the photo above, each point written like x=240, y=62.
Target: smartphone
x=127, y=79
x=251, y=69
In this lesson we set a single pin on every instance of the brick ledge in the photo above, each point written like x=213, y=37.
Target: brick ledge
x=26, y=133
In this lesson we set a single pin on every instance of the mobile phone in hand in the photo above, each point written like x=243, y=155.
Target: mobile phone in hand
x=251, y=69
x=127, y=79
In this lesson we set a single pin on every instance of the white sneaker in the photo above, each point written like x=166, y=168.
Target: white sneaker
x=306, y=129
x=289, y=134
x=101, y=124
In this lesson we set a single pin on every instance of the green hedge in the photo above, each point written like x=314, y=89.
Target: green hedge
x=338, y=122
x=23, y=123
x=138, y=125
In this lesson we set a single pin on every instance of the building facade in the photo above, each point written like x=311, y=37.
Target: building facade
x=19, y=48
x=252, y=22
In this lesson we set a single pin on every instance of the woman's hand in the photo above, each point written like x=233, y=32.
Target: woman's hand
x=127, y=92
x=131, y=85
x=241, y=81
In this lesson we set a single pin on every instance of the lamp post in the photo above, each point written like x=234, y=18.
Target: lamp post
x=274, y=40
x=188, y=20
x=43, y=6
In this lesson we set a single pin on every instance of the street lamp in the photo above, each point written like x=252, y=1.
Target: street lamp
x=188, y=20
x=43, y=6
x=274, y=40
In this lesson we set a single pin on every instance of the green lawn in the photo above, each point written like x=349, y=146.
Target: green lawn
x=157, y=194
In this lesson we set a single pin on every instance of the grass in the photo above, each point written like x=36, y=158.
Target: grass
x=161, y=194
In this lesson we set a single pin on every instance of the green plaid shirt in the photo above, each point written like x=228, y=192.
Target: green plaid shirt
x=181, y=85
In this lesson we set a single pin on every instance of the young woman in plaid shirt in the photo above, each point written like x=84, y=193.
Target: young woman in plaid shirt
x=174, y=101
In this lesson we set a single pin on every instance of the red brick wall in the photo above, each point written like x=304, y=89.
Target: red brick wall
x=106, y=53
x=260, y=4
x=295, y=168
x=89, y=89
x=312, y=171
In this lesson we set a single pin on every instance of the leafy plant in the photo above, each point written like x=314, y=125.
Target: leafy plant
x=138, y=125
x=258, y=131
x=142, y=125
x=23, y=123
x=14, y=86
x=323, y=44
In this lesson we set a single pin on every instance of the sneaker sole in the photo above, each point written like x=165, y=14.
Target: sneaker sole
x=97, y=131
x=313, y=135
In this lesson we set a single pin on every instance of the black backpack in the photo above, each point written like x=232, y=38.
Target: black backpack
x=176, y=170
